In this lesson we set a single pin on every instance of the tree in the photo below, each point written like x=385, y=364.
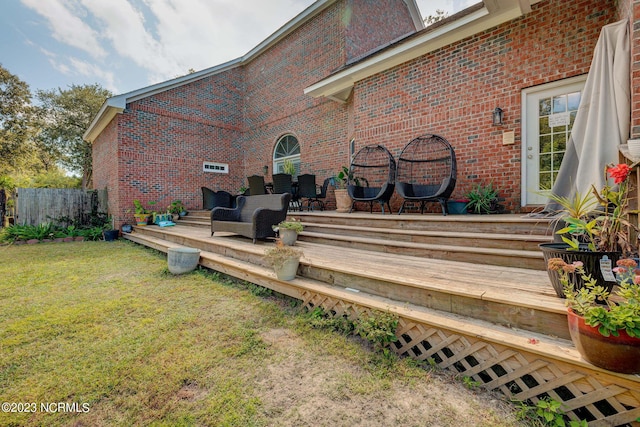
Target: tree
x=16, y=130
x=64, y=116
x=432, y=19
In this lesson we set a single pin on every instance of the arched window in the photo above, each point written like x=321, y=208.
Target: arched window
x=287, y=148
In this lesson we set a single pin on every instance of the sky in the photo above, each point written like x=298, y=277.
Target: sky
x=124, y=45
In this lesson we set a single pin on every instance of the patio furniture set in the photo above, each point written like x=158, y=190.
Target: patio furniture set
x=425, y=172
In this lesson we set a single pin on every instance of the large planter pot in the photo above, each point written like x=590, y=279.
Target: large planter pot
x=141, y=219
x=288, y=236
x=590, y=260
x=617, y=354
x=457, y=207
x=288, y=269
x=110, y=235
x=182, y=260
x=343, y=201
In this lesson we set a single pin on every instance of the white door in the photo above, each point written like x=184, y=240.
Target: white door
x=549, y=112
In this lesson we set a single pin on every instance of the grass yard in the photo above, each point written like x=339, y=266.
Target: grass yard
x=100, y=334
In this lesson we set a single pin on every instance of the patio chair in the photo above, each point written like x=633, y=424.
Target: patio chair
x=372, y=177
x=256, y=185
x=283, y=183
x=307, y=189
x=212, y=199
x=426, y=172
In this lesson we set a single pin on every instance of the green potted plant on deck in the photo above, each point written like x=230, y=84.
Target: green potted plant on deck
x=176, y=208
x=288, y=231
x=483, y=199
x=340, y=182
x=604, y=325
x=595, y=229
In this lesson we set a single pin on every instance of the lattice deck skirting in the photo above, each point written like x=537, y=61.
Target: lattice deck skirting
x=592, y=395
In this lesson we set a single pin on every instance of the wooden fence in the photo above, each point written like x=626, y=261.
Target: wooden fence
x=40, y=205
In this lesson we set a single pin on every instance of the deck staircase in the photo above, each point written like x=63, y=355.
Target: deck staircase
x=470, y=291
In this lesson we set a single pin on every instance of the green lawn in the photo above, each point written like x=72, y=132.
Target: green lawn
x=100, y=334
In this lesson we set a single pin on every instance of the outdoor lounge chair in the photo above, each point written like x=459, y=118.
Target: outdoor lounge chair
x=426, y=172
x=372, y=177
x=253, y=216
x=212, y=199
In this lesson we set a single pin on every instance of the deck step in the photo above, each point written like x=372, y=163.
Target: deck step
x=493, y=224
x=532, y=259
x=434, y=237
x=499, y=240
x=516, y=297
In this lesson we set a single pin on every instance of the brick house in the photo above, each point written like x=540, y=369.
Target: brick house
x=348, y=73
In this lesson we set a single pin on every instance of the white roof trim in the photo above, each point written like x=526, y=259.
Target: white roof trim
x=495, y=12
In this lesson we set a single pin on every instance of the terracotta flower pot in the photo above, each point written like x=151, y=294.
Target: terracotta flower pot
x=343, y=201
x=617, y=354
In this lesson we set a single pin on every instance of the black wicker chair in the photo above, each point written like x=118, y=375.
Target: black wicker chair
x=212, y=199
x=256, y=185
x=372, y=177
x=426, y=172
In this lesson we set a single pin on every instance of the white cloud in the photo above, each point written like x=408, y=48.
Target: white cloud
x=67, y=25
x=87, y=69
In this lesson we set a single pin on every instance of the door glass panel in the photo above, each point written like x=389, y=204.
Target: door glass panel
x=562, y=110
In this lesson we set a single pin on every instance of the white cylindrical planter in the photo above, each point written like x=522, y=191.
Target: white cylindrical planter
x=288, y=269
x=182, y=260
x=634, y=148
x=288, y=236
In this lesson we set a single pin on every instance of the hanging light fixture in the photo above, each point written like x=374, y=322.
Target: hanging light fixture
x=498, y=114
x=265, y=169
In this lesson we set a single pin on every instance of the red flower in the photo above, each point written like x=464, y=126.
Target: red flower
x=619, y=173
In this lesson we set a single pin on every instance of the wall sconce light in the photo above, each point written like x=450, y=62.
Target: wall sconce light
x=498, y=114
x=265, y=169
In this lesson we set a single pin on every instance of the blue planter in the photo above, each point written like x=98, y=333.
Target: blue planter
x=457, y=208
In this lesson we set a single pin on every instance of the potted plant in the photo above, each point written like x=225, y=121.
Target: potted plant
x=284, y=260
x=288, y=230
x=457, y=206
x=604, y=326
x=340, y=181
x=483, y=199
x=141, y=214
x=595, y=230
x=176, y=208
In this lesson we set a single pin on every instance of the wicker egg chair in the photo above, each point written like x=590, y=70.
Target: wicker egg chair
x=426, y=172
x=372, y=177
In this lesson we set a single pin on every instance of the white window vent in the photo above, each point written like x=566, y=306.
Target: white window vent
x=215, y=167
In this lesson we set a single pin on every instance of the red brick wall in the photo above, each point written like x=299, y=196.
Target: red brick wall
x=364, y=25
x=105, y=167
x=165, y=138
x=276, y=104
x=452, y=91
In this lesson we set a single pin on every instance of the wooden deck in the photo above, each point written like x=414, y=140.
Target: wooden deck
x=501, y=325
